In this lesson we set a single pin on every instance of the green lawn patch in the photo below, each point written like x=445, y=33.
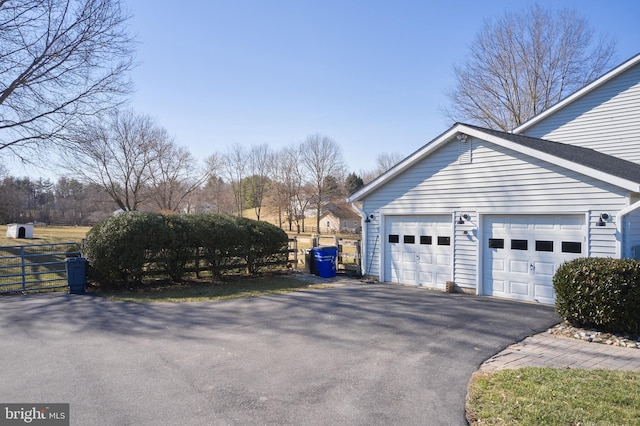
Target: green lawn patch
x=549, y=396
x=198, y=291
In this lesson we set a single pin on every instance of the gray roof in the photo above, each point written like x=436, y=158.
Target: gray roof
x=584, y=156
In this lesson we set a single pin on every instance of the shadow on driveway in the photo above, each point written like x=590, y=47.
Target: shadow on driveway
x=354, y=354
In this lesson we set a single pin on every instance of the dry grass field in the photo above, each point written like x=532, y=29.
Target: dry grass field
x=46, y=235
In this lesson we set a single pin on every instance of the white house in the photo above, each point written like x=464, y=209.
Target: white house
x=497, y=213
x=340, y=218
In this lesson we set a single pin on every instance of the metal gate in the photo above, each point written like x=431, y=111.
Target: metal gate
x=35, y=267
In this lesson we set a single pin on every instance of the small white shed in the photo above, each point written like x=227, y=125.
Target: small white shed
x=20, y=230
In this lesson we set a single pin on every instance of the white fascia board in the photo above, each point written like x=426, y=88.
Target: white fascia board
x=569, y=165
x=405, y=164
x=580, y=93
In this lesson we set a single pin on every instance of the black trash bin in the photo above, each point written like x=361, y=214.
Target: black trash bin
x=310, y=265
x=76, y=274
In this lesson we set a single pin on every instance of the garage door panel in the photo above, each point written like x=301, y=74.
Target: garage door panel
x=498, y=265
x=426, y=278
x=408, y=257
x=545, y=268
x=520, y=288
x=408, y=275
x=443, y=259
x=519, y=266
x=441, y=280
x=498, y=286
x=543, y=291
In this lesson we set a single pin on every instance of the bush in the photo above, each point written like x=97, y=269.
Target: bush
x=119, y=247
x=599, y=292
x=262, y=245
x=124, y=249
x=175, y=246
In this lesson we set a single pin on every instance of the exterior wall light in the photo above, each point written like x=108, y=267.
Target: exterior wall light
x=602, y=219
x=463, y=218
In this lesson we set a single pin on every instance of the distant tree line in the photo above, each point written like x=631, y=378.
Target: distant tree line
x=290, y=184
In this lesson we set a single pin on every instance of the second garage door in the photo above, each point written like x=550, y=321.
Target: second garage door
x=418, y=250
x=521, y=253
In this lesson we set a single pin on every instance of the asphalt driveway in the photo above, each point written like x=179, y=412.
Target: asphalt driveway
x=357, y=354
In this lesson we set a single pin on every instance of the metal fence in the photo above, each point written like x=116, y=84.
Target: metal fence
x=35, y=267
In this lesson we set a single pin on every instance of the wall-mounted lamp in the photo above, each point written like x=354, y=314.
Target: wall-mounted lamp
x=462, y=137
x=602, y=219
x=368, y=218
x=463, y=218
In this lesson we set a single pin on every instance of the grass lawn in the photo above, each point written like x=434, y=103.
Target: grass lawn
x=549, y=396
x=199, y=291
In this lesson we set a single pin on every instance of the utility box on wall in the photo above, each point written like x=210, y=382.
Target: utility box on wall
x=20, y=230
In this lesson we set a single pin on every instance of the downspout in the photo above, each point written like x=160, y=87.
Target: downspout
x=364, y=223
x=619, y=220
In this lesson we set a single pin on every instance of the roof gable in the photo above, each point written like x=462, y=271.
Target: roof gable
x=613, y=170
x=589, y=88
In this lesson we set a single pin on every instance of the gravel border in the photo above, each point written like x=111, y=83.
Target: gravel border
x=595, y=336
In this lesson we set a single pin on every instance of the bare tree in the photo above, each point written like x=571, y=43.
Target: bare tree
x=118, y=156
x=277, y=192
x=321, y=157
x=387, y=160
x=174, y=174
x=235, y=166
x=259, y=170
x=287, y=184
x=523, y=63
x=60, y=61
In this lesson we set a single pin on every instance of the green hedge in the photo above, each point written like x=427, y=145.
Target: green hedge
x=125, y=249
x=599, y=292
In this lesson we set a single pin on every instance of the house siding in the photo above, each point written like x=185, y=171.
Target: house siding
x=497, y=181
x=605, y=119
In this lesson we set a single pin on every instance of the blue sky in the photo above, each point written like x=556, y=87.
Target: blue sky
x=372, y=75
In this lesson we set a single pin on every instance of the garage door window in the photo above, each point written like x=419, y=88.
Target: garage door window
x=543, y=245
x=571, y=247
x=496, y=243
x=425, y=239
x=519, y=245
x=409, y=239
x=394, y=238
x=444, y=241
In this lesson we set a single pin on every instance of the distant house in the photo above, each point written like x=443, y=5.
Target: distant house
x=497, y=213
x=340, y=218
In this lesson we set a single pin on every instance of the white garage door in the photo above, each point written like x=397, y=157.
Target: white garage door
x=418, y=250
x=521, y=253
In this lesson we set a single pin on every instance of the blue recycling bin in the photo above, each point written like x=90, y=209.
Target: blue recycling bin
x=76, y=274
x=326, y=261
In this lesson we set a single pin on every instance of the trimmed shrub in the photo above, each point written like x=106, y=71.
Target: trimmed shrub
x=119, y=247
x=175, y=246
x=218, y=240
x=262, y=245
x=123, y=250
x=599, y=292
